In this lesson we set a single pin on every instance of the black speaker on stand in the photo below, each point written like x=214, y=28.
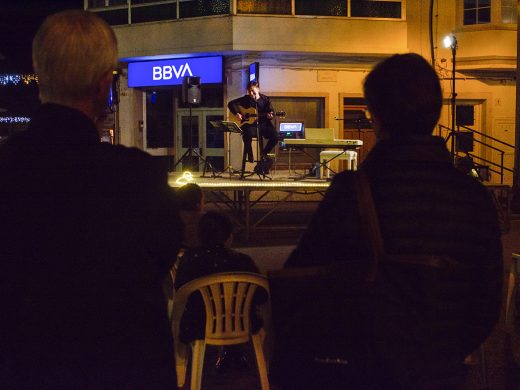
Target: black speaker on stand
x=191, y=94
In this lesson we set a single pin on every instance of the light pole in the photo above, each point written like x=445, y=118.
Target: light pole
x=451, y=42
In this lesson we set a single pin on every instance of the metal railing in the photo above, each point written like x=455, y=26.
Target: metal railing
x=498, y=168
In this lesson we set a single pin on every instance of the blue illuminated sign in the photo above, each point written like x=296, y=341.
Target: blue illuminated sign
x=173, y=71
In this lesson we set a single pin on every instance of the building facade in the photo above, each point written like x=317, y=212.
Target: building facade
x=312, y=57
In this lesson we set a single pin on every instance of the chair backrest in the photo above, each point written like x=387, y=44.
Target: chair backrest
x=227, y=299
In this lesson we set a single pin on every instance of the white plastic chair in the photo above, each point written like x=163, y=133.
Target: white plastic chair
x=227, y=299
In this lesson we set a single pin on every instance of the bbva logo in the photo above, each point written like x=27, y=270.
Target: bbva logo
x=167, y=72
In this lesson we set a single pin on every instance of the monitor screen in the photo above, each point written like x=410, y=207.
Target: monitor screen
x=291, y=130
x=254, y=72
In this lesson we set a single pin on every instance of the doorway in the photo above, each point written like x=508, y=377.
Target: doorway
x=196, y=132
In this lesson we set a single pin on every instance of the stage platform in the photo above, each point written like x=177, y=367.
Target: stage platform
x=240, y=198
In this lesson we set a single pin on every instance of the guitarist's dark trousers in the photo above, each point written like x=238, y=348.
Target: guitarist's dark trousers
x=249, y=132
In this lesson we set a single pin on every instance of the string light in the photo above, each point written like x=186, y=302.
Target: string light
x=14, y=119
x=186, y=177
x=17, y=78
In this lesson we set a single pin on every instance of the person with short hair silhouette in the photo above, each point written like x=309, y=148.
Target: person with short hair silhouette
x=425, y=206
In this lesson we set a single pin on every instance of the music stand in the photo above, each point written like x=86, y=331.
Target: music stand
x=227, y=127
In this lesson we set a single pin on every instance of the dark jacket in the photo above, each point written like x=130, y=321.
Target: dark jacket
x=425, y=206
x=88, y=232
x=247, y=103
x=198, y=262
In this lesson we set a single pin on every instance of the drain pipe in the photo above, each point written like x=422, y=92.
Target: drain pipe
x=432, y=46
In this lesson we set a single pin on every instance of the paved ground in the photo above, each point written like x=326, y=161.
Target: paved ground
x=270, y=247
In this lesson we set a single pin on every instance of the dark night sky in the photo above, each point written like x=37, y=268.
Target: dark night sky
x=19, y=21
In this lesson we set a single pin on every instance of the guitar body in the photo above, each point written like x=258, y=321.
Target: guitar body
x=249, y=116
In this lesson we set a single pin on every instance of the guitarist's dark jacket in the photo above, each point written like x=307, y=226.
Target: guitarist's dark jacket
x=246, y=104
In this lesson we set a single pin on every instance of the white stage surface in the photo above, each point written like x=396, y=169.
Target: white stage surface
x=265, y=195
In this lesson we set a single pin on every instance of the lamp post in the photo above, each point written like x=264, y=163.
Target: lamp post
x=451, y=42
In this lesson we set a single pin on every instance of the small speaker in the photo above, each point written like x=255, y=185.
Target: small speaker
x=191, y=90
x=464, y=141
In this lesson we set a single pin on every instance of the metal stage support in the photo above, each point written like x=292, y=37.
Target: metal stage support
x=240, y=197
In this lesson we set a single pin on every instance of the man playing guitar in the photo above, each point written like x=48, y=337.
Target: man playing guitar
x=251, y=109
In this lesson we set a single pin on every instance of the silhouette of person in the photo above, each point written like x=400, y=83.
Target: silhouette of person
x=255, y=101
x=89, y=230
x=191, y=207
x=215, y=255
x=425, y=206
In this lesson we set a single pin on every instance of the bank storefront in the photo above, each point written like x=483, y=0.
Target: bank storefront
x=171, y=118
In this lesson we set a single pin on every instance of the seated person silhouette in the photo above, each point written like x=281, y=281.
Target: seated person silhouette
x=190, y=198
x=215, y=232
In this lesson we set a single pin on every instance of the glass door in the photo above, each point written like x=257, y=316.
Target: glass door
x=199, y=144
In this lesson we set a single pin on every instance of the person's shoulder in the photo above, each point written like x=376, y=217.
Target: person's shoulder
x=125, y=151
x=469, y=183
x=245, y=260
x=132, y=161
x=127, y=155
x=343, y=179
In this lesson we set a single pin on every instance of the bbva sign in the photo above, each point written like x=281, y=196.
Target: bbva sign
x=172, y=71
x=166, y=72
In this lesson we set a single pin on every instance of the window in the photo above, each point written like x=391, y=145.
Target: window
x=275, y=7
x=477, y=11
x=358, y=8
x=509, y=13
x=194, y=8
x=105, y=3
x=321, y=7
x=115, y=17
x=375, y=8
x=154, y=12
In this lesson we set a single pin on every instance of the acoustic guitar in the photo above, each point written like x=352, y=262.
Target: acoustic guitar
x=249, y=116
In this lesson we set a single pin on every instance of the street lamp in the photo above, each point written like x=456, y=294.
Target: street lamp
x=451, y=42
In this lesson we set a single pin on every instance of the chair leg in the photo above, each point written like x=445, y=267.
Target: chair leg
x=260, y=361
x=181, y=362
x=197, y=363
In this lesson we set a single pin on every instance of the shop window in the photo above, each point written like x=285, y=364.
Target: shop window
x=509, y=11
x=275, y=7
x=159, y=119
x=477, y=11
